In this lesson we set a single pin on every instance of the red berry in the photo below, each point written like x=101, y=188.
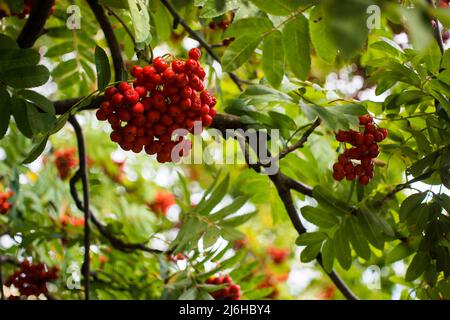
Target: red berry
x=136, y=71
x=124, y=114
x=124, y=87
x=117, y=100
x=138, y=108
x=178, y=66
x=207, y=120
x=160, y=64
x=365, y=119
x=368, y=139
x=169, y=75
x=350, y=176
x=110, y=92
x=364, y=180
x=101, y=115
x=131, y=97
x=195, y=54
x=212, y=112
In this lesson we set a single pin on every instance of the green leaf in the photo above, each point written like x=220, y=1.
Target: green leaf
x=282, y=121
x=37, y=150
x=320, y=217
x=320, y=35
x=141, y=20
x=42, y=102
x=25, y=77
x=410, y=203
x=40, y=122
x=328, y=255
x=296, y=46
x=248, y=26
x=281, y=7
x=239, y=220
x=401, y=251
x=189, y=294
x=336, y=117
x=273, y=58
x=342, y=249
x=5, y=111
x=14, y=58
x=230, y=209
x=207, y=204
x=310, y=252
x=417, y=266
x=20, y=114
x=358, y=241
x=60, y=49
x=329, y=202
x=239, y=52
x=103, y=69
x=347, y=22
x=215, y=8
x=310, y=238
x=231, y=234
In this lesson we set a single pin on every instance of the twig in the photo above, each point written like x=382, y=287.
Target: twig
x=202, y=42
x=83, y=174
x=34, y=26
x=111, y=39
x=300, y=143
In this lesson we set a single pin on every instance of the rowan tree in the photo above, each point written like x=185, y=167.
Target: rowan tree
x=352, y=95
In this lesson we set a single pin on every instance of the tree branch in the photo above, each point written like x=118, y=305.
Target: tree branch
x=35, y=24
x=83, y=174
x=195, y=36
x=300, y=143
x=111, y=39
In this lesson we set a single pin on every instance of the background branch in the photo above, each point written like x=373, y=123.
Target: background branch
x=83, y=174
x=35, y=24
x=111, y=38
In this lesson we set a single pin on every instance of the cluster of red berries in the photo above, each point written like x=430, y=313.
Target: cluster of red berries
x=365, y=149
x=162, y=202
x=32, y=278
x=230, y=292
x=68, y=220
x=65, y=161
x=178, y=257
x=443, y=3
x=5, y=205
x=327, y=293
x=163, y=99
x=28, y=5
x=278, y=255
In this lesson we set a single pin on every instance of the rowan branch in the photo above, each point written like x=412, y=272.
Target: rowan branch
x=83, y=174
x=110, y=37
x=179, y=20
x=300, y=143
x=34, y=26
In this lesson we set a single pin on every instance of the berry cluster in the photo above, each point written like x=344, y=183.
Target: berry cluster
x=365, y=149
x=32, y=278
x=68, y=220
x=230, y=292
x=327, y=293
x=162, y=202
x=27, y=7
x=271, y=280
x=65, y=161
x=443, y=3
x=278, y=255
x=163, y=98
x=5, y=205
